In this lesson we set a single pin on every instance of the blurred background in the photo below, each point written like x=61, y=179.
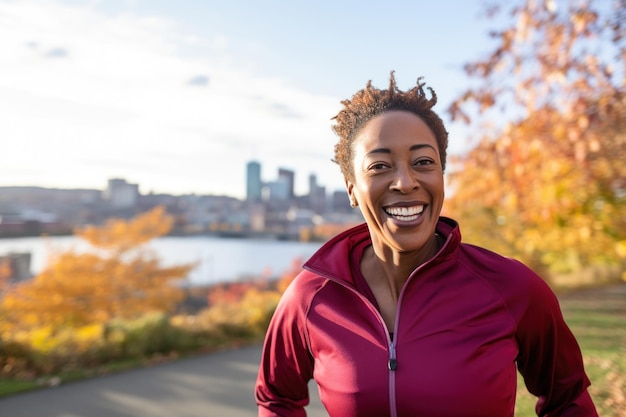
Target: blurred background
x=165, y=167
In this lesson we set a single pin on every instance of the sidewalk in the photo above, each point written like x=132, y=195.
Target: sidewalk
x=214, y=385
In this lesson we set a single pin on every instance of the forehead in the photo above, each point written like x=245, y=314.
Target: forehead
x=394, y=128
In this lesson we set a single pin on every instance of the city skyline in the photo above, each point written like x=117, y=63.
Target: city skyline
x=265, y=180
x=177, y=96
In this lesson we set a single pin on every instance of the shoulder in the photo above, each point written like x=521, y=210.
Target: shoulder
x=301, y=291
x=511, y=279
x=508, y=276
x=491, y=264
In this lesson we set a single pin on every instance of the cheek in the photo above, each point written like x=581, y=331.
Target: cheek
x=441, y=194
x=436, y=189
x=368, y=191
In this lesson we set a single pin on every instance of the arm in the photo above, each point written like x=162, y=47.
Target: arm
x=549, y=357
x=286, y=365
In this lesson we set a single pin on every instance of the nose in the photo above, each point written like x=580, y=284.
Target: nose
x=405, y=180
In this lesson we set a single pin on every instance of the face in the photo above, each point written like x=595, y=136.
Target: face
x=398, y=180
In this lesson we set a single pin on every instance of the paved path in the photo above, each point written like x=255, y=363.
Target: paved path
x=216, y=385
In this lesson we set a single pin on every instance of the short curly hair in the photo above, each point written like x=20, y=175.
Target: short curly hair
x=370, y=102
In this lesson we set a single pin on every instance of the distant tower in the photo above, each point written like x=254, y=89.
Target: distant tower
x=317, y=195
x=312, y=184
x=254, y=185
x=120, y=194
x=341, y=202
x=286, y=175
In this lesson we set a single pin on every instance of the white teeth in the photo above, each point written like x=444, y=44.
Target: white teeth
x=405, y=211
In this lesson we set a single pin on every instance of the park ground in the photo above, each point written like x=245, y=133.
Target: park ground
x=222, y=383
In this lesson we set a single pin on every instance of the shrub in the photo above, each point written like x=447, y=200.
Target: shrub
x=148, y=335
x=246, y=318
x=16, y=361
x=45, y=350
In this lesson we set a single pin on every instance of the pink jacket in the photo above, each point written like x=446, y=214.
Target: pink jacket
x=465, y=320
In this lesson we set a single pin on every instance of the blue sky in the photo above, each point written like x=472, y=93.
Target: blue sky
x=178, y=95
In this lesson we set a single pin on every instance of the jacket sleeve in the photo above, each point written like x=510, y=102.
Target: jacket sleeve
x=286, y=364
x=550, y=359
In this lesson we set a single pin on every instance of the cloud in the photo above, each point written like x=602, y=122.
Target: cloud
x=198, y=80
x=57, y=53
x=283, y=110
x=114, y=95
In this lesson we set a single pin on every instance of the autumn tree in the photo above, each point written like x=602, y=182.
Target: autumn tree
x=119, y=277
x=547, y=181
x=5, y=273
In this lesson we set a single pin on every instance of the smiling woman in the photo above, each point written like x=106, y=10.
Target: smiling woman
x=396, y=151
x=397, y=316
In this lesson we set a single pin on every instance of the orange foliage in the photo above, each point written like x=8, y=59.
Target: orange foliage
x=121, y=235
x=78, y=289
x=548, y=184
x=231, y=292
x=5, y=273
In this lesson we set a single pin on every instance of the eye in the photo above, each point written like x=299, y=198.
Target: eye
x=377, y=166
x=423, y=162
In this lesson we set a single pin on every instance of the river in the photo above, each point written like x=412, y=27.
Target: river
x=219, y=259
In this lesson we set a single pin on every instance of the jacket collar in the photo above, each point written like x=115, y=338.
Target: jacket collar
x=332, y=260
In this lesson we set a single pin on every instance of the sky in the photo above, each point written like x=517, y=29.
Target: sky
x=177, y=96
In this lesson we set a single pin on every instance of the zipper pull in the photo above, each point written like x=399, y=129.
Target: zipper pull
x=393, y=362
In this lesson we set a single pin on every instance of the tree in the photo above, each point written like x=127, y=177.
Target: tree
x=548, y=184
x=5, y=273
x=119, y=278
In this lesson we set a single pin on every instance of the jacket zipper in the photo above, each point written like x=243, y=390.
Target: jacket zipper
x=392, y=363
x=393, y=360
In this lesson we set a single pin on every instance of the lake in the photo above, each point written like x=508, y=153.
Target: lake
x=219, y=259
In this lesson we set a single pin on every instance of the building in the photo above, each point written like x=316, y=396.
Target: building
x=277, y=190
x=287, y=176
x=341, y=202
x=317, y=196
x=254, y=185
x=119, y=194
x=15, y=267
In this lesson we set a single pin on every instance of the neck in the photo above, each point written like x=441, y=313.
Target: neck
x=394, y=267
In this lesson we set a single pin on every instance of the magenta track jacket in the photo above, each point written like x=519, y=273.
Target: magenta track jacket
x=466, y=321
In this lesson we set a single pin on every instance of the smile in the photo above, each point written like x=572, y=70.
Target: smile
x=405, y=213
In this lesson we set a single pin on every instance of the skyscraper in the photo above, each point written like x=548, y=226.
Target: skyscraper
x=287, y=175
x=317, y=195
x=254, y=185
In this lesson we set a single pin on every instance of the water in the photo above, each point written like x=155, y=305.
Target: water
x=219, y=259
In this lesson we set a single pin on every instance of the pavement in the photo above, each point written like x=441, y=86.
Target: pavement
x=213, y=385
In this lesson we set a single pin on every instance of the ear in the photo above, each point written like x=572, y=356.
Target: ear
x=351, y=196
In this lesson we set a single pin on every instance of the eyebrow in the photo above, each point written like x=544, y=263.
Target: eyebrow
x=412, y=148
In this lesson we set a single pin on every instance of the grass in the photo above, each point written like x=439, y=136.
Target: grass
x=597, y=317
x=15, y=386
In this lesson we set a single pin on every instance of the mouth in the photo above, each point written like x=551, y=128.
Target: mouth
x=405, y=214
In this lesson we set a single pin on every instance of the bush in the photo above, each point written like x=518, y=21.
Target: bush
x=143, y=337
x=246, y=318
x=15, y=361
x=44, y=350
x=29, y=353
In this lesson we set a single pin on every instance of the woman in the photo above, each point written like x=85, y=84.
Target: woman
x=398, y=317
